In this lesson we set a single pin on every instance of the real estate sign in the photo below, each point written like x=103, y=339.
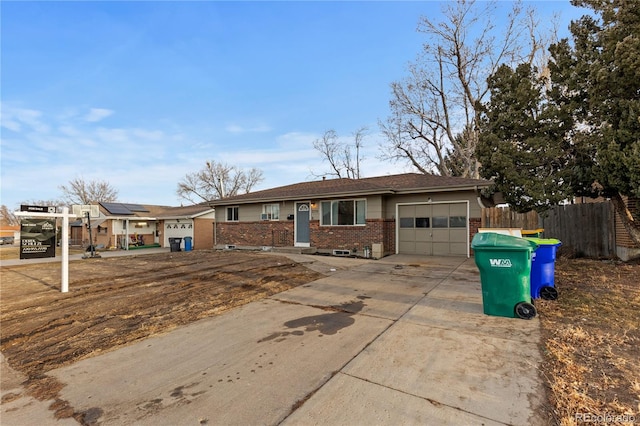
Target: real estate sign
x=37, y=238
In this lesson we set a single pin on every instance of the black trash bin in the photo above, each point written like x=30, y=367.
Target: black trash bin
x=174, y=243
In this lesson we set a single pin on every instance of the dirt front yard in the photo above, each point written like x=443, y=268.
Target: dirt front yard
x=591, y=334
x=115, y=301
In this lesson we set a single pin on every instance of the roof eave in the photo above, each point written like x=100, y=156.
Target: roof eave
x=223, y=202
x=473, y=187
x=186, y=216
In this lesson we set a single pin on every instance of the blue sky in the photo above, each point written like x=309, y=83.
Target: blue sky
x=139, y=94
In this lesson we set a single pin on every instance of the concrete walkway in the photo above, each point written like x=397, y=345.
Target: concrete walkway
x=401, y=340
x=74, y=257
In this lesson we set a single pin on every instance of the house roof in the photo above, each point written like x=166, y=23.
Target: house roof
x=185, y=211
x=393, y=184
x=148, y=211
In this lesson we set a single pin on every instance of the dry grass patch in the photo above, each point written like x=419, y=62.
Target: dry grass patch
x=591, y=338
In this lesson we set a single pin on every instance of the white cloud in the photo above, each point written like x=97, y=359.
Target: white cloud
x=267, y=157
x=97, y=114
x=236, y=128
x=14, y=118
x=150, y=135
x=10, y=124
x=296, y=140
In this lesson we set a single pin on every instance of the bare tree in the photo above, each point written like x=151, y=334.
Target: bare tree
x=217, y=180
x=434, y=110
x=80, y=191
x=7, y=218
x=344, y=158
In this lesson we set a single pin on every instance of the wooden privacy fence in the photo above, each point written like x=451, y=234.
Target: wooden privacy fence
x=586, y=230
x=506, y=218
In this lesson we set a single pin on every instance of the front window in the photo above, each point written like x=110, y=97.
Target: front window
x=232, y=214
x=271, y=212
x=343, y=212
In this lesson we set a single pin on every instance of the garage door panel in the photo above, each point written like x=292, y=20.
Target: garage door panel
x=440, y=210
x=433, y=229
x=406, y=211
x=458, y=235
x=423, y=248
x=440, y=235
x=458, y=209
x=407, y=234
x=407, y=247
x=441, y=249
x=423, y=210
x=423, y=235
x=458, y=248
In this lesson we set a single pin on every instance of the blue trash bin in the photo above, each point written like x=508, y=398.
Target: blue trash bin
x=187, y=243
x=543, y=268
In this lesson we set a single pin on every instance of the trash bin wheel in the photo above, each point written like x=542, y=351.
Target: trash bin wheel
x=525, y=310
x=548, y=293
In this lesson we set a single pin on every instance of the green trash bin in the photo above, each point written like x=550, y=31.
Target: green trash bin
x=504, y=262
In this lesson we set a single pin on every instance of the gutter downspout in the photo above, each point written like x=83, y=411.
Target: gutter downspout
x=478, y=197
x=126, y=234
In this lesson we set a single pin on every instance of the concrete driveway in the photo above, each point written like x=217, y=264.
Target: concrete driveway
x=401, y=340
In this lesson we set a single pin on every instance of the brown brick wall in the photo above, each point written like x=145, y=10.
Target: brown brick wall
x=202, y=234
x=474, y=224
x=255, y=234
x=280, y=233
x=623, y=239
x=354, y=237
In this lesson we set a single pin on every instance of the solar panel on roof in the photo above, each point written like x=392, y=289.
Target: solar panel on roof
x=135, y=207
x=116, y=208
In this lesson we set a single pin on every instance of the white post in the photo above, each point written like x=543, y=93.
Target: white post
x=65, y=250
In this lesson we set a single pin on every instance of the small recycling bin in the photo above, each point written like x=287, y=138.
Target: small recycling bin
x=187, y=243
x=543, y=268
x=174, y=243
x=532, y=233
x=504, y=262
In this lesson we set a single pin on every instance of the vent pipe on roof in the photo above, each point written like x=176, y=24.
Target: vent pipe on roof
x=221, y=187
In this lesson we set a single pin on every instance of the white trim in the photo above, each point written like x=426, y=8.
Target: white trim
x=397, y=226
x=226, y=213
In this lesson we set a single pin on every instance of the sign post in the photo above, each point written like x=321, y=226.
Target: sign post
x=50, y=212
x=65, y=249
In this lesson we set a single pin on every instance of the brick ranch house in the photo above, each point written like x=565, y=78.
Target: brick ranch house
x=127, y=226
x=407, y=213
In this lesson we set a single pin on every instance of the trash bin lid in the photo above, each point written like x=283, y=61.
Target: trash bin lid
x=532, y=231
x=494, y=241
x=545, y=241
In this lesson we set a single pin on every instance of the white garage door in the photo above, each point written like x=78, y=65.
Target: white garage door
x=175, y=229
x=433, y=229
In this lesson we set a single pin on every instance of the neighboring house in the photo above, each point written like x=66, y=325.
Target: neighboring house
x=408, y=213
x=9, y=234
x=192, y=221
x=127, y=226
